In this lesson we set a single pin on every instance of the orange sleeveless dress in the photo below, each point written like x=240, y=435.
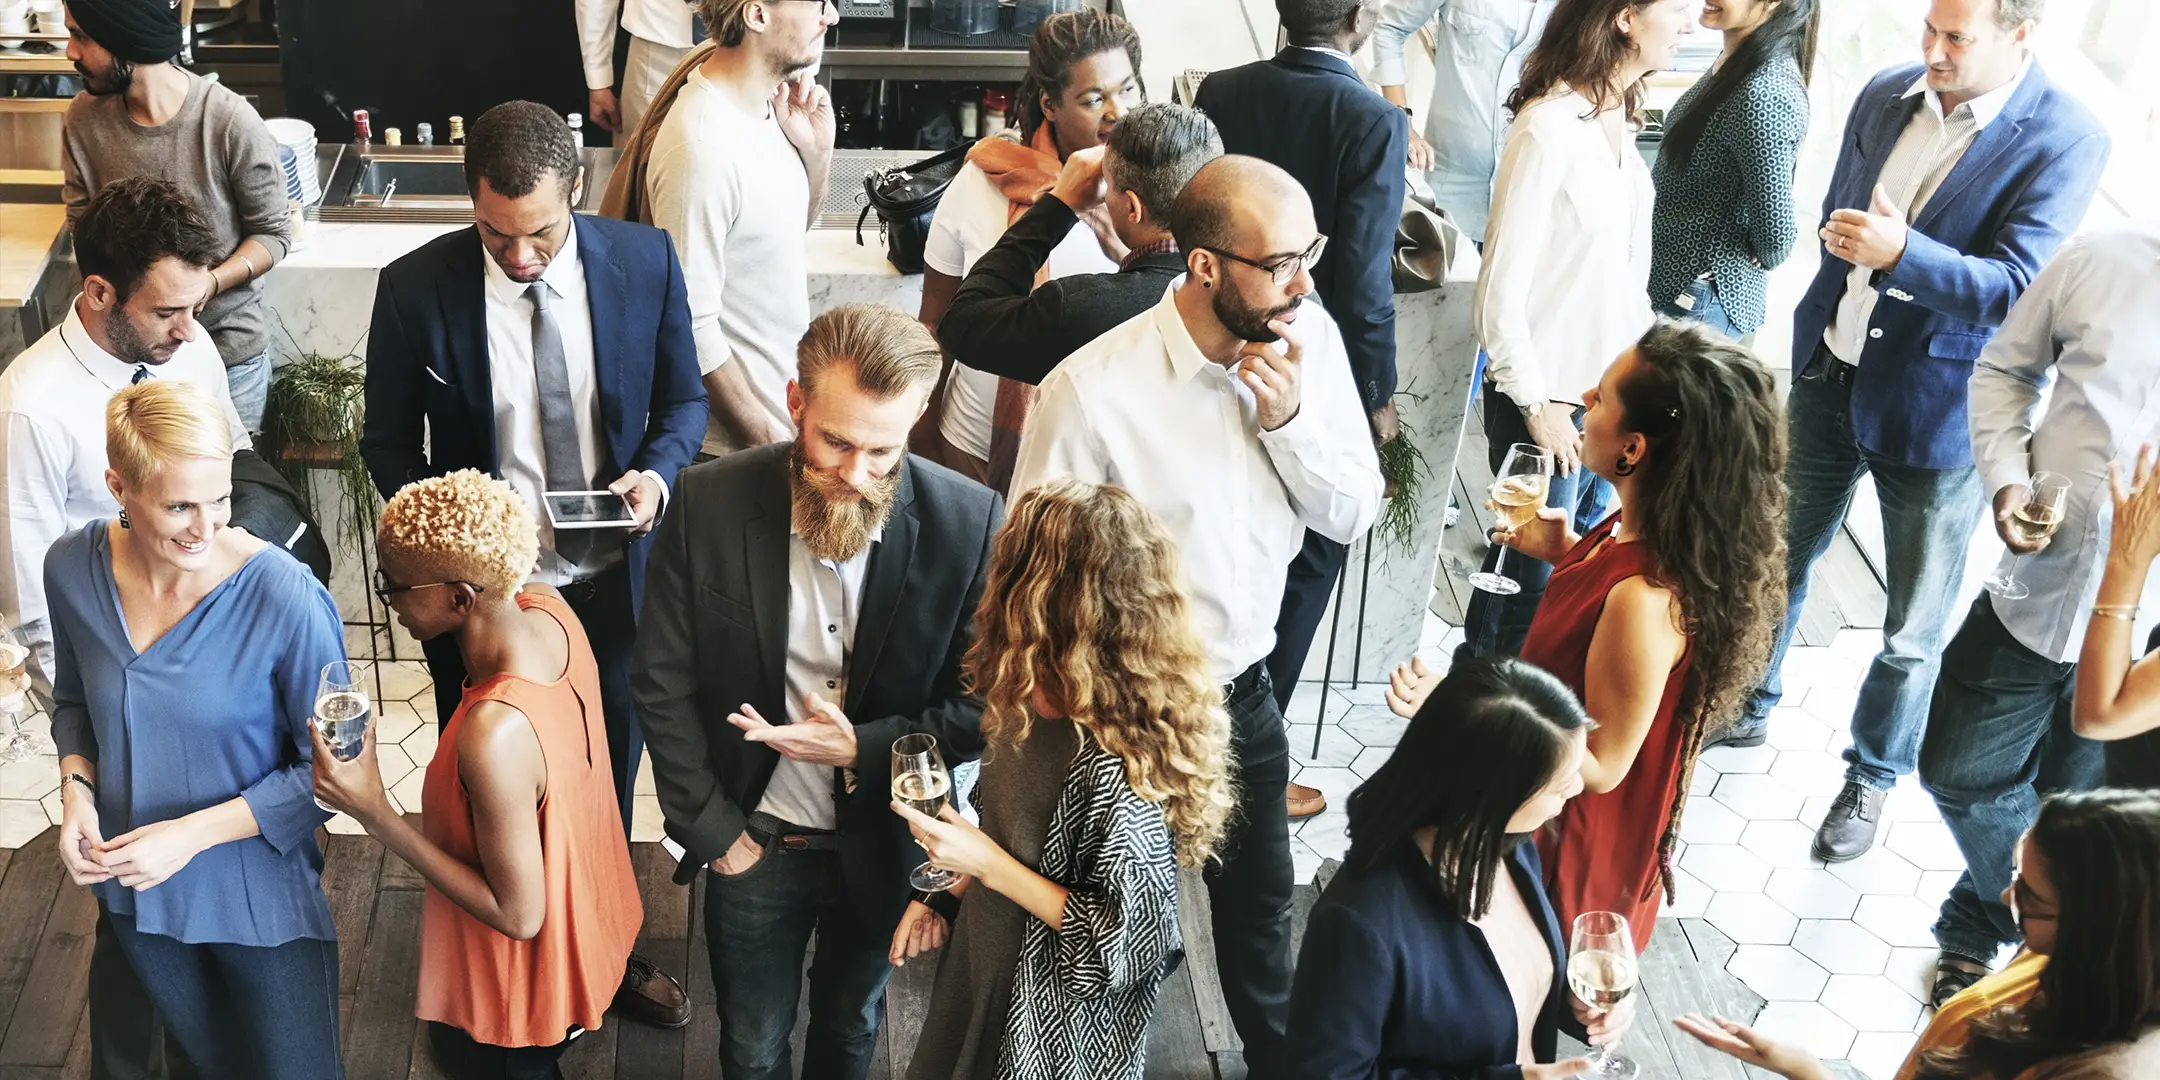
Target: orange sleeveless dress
x=1601, y=853
x=529, y=993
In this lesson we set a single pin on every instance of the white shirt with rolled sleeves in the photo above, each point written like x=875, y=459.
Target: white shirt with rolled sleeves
x=1142, y=408
x=52, y=456
x=662, y=22
x=2089, y=324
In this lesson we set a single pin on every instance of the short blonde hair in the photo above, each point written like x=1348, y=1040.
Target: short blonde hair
x=465, y=526
x=889, y=350
x=157, y=421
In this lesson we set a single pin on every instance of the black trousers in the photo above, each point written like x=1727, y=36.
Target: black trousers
x=127, y=1038
x=1305, y=595
x=461, y=1057
x=602, y=605
x=1250, y=889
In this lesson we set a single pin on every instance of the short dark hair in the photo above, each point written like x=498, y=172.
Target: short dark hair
x=514, y=144
x=1314, y=20
x=132, y=223
x=1157, y=149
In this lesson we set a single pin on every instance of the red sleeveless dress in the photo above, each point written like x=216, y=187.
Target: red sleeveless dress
x=1601, y=853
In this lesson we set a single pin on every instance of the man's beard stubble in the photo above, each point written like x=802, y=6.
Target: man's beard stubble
x=117, y=79
x=836, y=528
x=1246, y=321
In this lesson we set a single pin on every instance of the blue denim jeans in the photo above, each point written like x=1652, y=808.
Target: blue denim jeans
x=1251, y=890
x=1998, y=737
x=1495, y=625
x=1704, y=307
x=757, y=926
x=1928, y=520
x=243, y=1011
x=249, y=381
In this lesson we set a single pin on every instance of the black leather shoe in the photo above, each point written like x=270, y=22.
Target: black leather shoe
x=1744, y=733
x=1848, y=830
x=649, y=995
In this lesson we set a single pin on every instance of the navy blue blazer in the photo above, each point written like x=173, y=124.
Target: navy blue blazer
x=1310, y=114
x=1391, y=986
x=2022, y=186
x=430, y=398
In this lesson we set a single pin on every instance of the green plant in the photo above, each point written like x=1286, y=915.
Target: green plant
x=312, y=422
x=1403, y=470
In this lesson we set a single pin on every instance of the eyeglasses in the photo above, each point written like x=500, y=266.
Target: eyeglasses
x=822, y=4
x=1284, y=268
x=384, y=590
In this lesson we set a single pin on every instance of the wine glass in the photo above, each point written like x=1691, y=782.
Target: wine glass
x=15, y=697
x=921, y=782
x=1518, y=492
x=2031, y=521
x=342, y=709
x=1602, y=970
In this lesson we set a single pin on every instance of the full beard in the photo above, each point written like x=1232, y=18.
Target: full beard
x=1249, y=323
x=116, y=79
x=835, y=520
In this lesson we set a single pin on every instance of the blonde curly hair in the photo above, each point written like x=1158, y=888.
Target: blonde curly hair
x=1084, y=601
x=464, y=526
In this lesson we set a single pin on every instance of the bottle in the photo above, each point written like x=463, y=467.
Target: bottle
x=393, y=137
x=457, y=131
x=424, y=134
x=967, y=109
x=994, y=106
x=577, y=129
x=361, y=132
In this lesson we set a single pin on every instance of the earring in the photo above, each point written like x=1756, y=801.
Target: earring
x=123, y=519
x=1207, y=284
x=1624, y=467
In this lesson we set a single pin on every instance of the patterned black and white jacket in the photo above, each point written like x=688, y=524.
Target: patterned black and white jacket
x=1083, y=994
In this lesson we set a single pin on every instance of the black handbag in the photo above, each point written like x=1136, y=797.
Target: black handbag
x=905, y=200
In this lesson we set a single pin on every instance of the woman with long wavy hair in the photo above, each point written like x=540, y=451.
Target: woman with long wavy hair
x=2081, y=1002
x=1107, y=768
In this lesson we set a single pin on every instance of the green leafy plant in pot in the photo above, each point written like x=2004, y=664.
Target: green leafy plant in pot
x=312, y=423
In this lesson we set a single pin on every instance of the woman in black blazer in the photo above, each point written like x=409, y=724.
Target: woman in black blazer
x=1435, y=943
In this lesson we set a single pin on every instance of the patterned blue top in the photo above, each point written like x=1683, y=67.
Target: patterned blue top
x=218, y=707
x=1729, y=212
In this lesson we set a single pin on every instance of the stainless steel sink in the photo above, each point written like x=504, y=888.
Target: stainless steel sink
x=423, y=184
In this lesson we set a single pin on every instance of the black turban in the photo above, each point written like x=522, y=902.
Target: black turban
x=137, y=31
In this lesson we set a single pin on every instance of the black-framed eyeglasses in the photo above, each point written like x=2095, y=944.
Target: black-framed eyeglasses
x=384, y=590
x=1282, y=268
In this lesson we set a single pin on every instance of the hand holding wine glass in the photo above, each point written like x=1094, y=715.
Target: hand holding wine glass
x=15, y=697
x=1602, y=970
x=1518, y=492
x=341, y=711
x=920, y=783
x=2026, y=518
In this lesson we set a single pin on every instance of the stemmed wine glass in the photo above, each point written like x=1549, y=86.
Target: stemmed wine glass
x=2031, y=521
x=15, y=697
x=342, y=709
x=1602, y=970
x=921, y=783
x=1518, y=491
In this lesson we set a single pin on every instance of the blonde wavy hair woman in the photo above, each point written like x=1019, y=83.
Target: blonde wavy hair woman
x=1108, y=767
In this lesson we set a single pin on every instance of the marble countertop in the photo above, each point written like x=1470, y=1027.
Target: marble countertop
x=27, y=232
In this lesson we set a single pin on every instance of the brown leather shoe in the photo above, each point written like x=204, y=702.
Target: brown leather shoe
x=1303, y=801
x=651, y=996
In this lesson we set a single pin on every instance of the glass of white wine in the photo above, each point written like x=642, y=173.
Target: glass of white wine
x=342, y=709
x=2031, y=521
x=1602, y=970
x=15, y=697
x=1518, y=493
x=921, y=782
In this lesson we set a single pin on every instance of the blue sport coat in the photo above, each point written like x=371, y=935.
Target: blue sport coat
x=430, y=394
x=2022, y=186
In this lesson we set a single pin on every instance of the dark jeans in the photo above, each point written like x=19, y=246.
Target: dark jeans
x=602, y=605
x=1706, y=308
x=1250, y=889
x=1311, y=581
x=1998, y=737
x=757, y=925
x=461, y=1057
x=127, y=1040
x=1495, y=625
x=244, y=1012
x=1928, y=520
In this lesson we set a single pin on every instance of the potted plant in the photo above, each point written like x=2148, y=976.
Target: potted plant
x=312, y=423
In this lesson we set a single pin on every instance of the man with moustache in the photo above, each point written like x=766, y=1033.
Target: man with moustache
x=1229, y=410
x=141, y=113
x=811, y=602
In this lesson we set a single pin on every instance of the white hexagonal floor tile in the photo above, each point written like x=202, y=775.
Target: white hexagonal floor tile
x=1909, y=801
x=1899, y=920
x=420, y=745
x=1807, y=1024
x=1374, y=725
x=1741, y=759
x=1870, y=1003
x=1304, y=861
x=1831, y=706
x=342, y=825
x=1778, y=972
x=1813, y=893
x=1878, y=870
x=1880, y=1054
x=1327, y=834
x=1708, y=821
x=1751, y=918
x=1726, y=868
x=1693, y=897
x=1336, y=784
x=21, y=820
x=405, y=794
x=1757, y=798
x=1841, y=946
x=1337, y=748
x=395, y=721
x=1783, y=844
x=403, y=680
x=1305, y=705
x=1370, y=759
x=31, y=778
x=1913, y=970
x=1810, y=772
x=1793, y=729
x=1926, y=844
x=394, y=764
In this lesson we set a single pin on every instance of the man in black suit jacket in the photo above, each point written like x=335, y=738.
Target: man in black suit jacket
x=811, y=602
x=1000, y=322
x=1307, y=111
x=551, y=349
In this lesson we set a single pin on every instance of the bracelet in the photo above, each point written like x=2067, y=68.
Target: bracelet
x=252, y=273
x=78, y=778
x=944, y=903
x=2126, y=612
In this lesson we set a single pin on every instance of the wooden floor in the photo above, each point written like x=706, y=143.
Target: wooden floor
x=46, y=926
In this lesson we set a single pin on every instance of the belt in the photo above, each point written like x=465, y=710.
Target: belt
x=791, y=837
x=1250, y=681
x=1839, y=372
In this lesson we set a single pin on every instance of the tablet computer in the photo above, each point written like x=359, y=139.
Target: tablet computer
x=587, y=510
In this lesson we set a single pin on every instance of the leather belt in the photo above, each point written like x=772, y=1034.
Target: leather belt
x=775, y=834
x=1248, y=682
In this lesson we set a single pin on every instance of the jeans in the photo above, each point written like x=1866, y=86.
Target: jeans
x=1998, y=737
x=127, y=1039
x=1306, y=588
x=461, y=1057
x=757, y=925
x=1250, y=889
x=1703, y=307
x=1495, y=625
x=1928, y=520
x=249, y=381
x=243, y=1012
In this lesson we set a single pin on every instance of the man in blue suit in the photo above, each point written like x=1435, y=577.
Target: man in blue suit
x=1956, y=180
x=551, y=349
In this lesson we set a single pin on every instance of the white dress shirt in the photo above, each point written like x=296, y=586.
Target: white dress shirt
x=520, y=450
x=2090, y=324
x=1565, y=284
x=1931, y=145
x=1143, y=408
x=662, y=22
x=52, y=455
x=824, y=599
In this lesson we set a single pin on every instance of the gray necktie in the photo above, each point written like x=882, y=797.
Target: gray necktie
x=141, y=373
x=558, y=418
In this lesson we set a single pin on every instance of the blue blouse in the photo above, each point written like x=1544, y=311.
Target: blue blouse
x=218, y=707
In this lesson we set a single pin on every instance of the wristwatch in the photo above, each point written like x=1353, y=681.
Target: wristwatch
x=1532, y=410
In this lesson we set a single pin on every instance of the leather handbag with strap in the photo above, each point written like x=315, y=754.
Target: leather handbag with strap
x=905, y=200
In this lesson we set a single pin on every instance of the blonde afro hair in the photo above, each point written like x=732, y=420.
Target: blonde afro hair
x=466, y=526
